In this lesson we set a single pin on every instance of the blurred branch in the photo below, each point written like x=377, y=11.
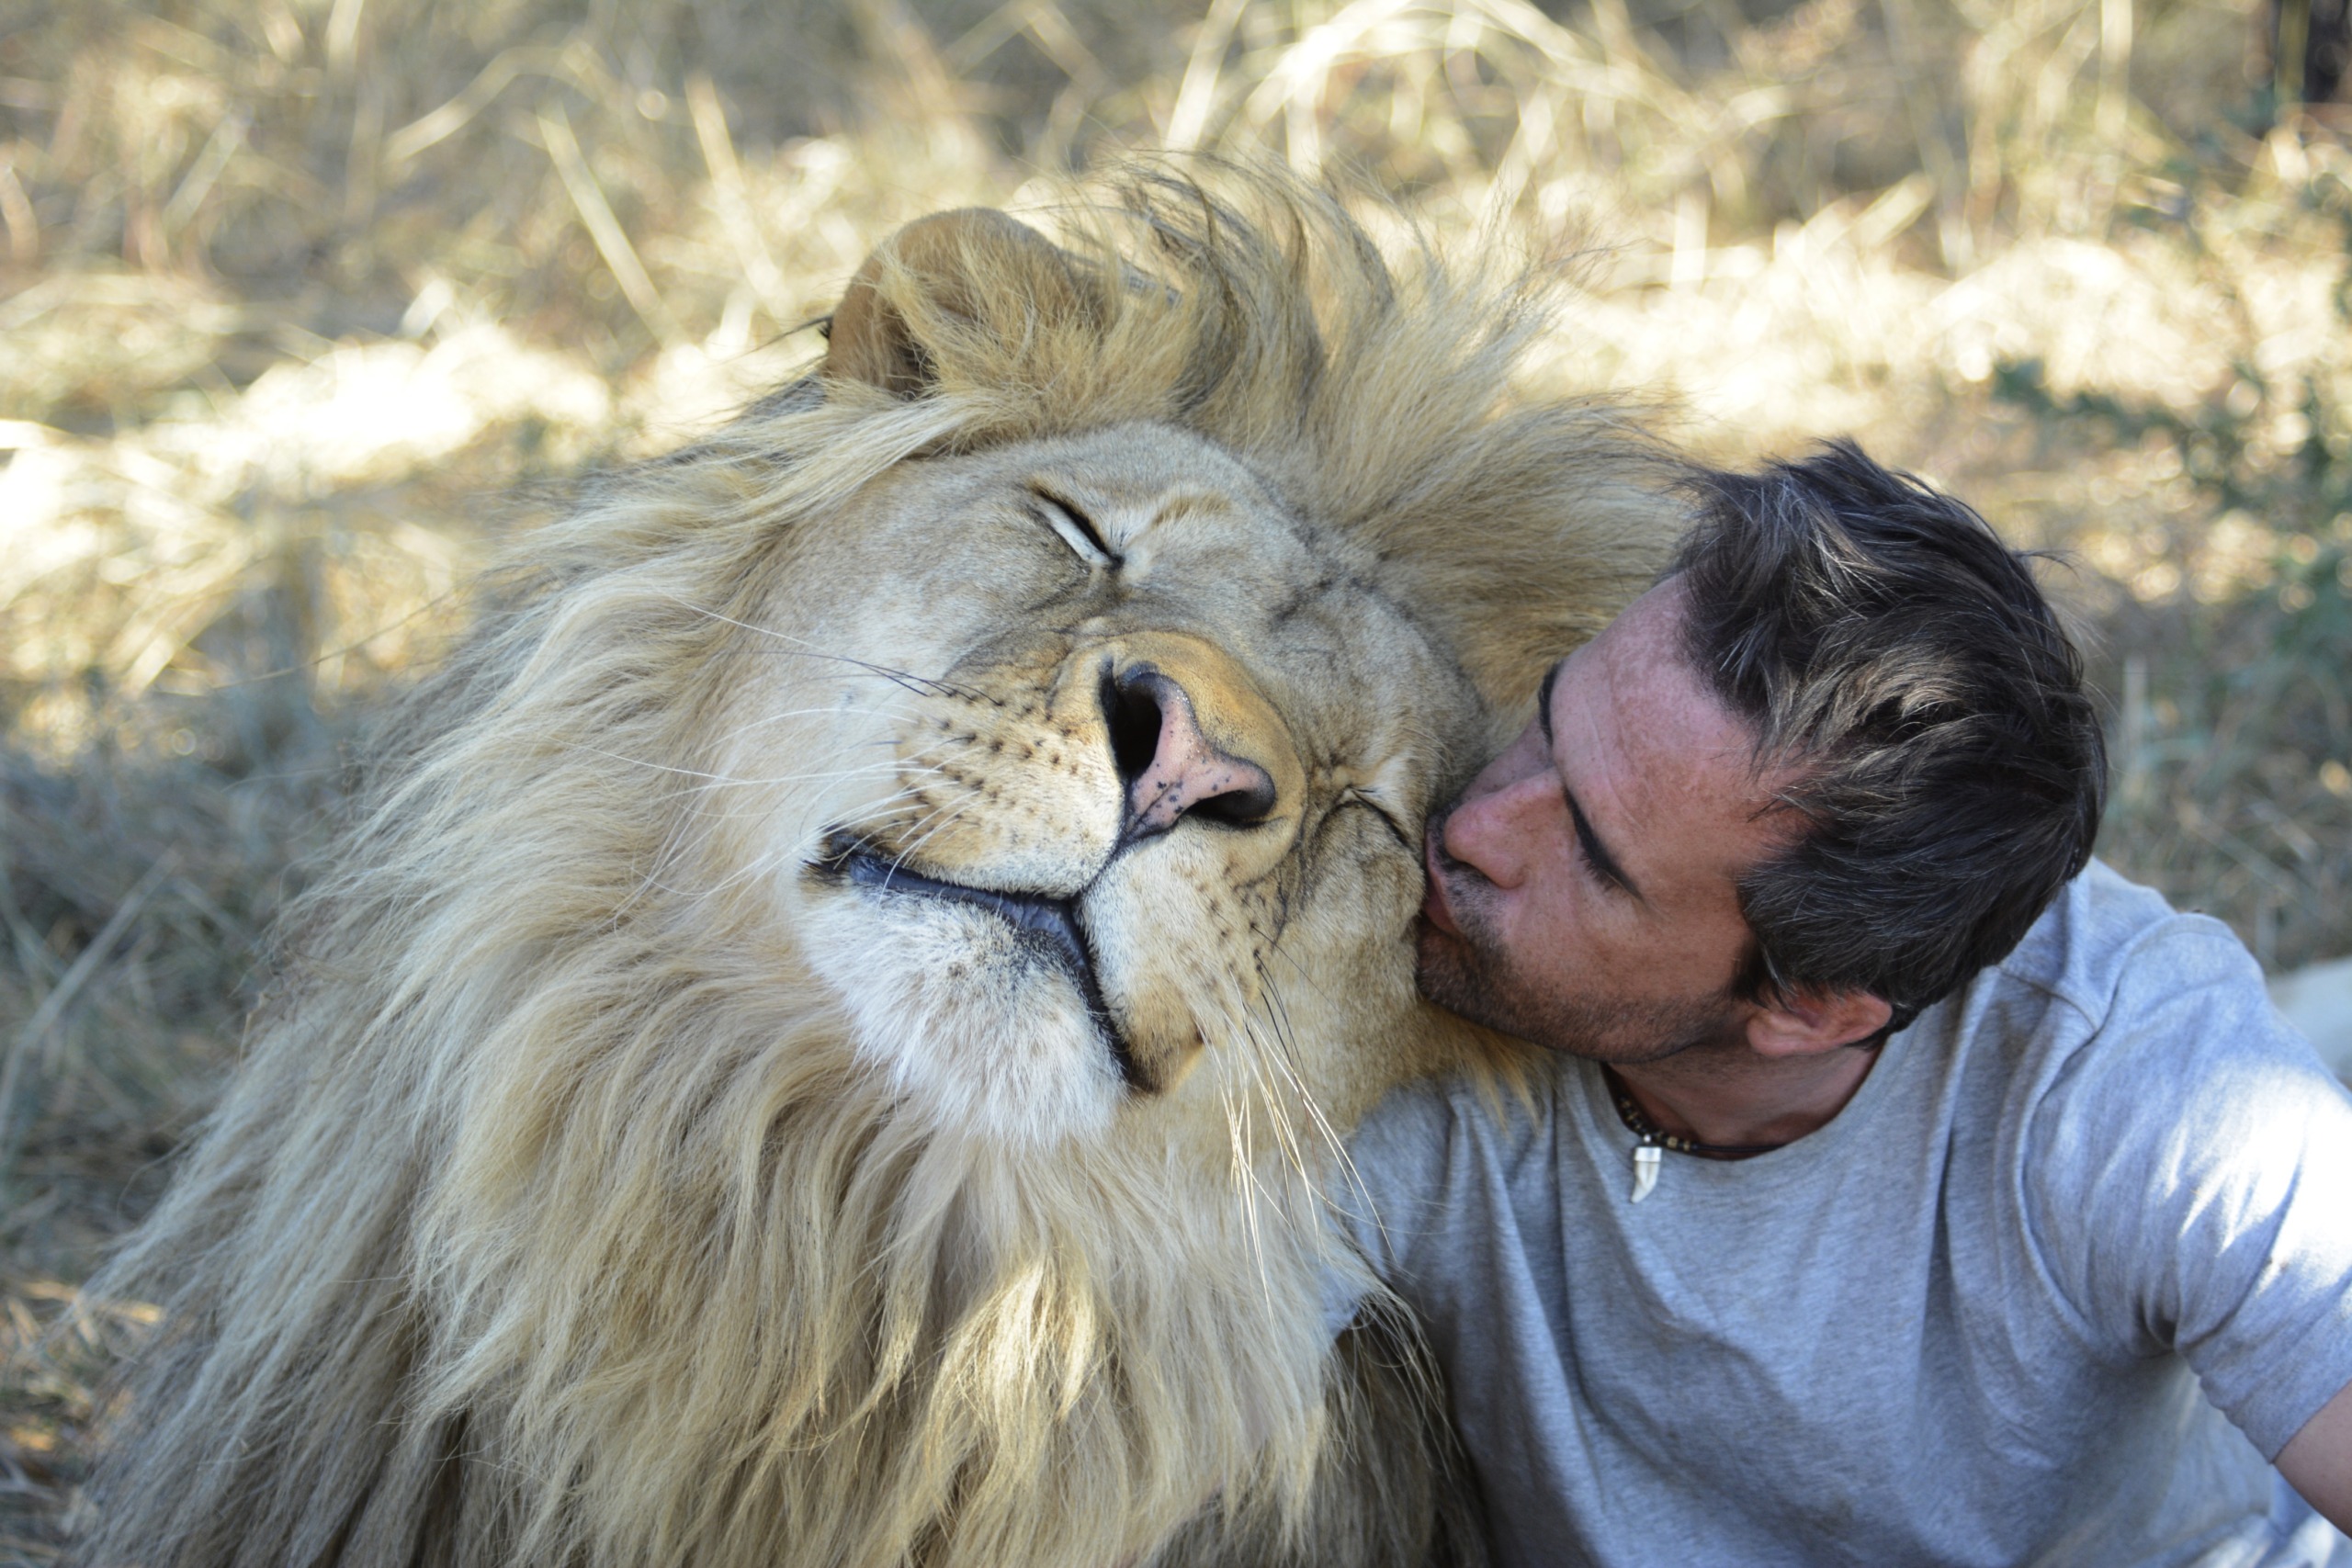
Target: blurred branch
x=1532, y=147
x=1959, y=245
x=17, y=213
x=734, y=208
x=604, y=229
x=363, y=163
x=343, y=36
x=2287, y=69
x=31, y=956
x=2114, y=71
x=985, y=37
x=223, y=145
x=1204, y=71
x=52, y=1009
x=1049, y=26
x=479, y=94
x=922, y=82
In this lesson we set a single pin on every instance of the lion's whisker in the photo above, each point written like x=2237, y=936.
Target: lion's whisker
x=1245, y=1169
x=1321, y=1124
x=1277, y=1112
x=921, y=685
x=706, y=821
x=727, y=781
x=927, y=828
x=826, y=710
x=705, y=794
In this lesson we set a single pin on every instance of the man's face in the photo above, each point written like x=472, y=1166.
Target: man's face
x=1583, y=890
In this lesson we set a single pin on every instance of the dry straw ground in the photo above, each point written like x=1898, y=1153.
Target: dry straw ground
x=301, y=301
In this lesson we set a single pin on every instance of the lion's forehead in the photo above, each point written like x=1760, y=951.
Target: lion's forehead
x=961, y=575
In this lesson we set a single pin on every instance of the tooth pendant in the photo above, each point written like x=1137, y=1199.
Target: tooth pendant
x=1647, y=1157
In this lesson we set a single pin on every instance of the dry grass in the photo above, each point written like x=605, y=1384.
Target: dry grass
x=298, y=296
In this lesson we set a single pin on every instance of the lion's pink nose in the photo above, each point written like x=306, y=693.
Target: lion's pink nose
x=1169, y=768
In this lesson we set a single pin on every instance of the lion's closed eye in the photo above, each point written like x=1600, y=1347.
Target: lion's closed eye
x=1074, y=527
x=1369, y=797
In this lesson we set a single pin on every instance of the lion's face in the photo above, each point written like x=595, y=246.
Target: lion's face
x=1113, y=754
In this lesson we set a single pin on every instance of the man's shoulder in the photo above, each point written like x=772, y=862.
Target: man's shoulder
x=2107, y=946
x=2177, y=1154
x=2125, y=1041
x=2118, y=1022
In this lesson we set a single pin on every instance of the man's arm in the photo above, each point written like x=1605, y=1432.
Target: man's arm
x=2317, y=1461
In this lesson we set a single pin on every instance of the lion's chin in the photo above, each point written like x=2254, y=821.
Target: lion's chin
x=978, y=1027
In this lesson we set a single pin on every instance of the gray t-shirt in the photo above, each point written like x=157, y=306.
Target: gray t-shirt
x=2074, y=1263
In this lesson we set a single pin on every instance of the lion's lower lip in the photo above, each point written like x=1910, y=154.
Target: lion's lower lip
x=1050, y=925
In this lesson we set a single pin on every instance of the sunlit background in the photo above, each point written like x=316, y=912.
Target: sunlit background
x=304, y=302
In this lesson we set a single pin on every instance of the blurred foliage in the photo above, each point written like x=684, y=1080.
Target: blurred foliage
x=2232, y=789
x=304, y=301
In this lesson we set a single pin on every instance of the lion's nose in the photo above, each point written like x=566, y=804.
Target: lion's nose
x=1169, y=769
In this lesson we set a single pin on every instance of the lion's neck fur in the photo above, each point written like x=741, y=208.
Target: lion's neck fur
x=871, y=1329
x=665, y=1313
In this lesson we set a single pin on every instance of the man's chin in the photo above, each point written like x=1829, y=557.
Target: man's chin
x=1458, y=977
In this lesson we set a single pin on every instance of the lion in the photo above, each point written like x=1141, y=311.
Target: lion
x=830, y=1037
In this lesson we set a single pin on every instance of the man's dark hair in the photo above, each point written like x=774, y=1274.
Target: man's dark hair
x=1948, y=766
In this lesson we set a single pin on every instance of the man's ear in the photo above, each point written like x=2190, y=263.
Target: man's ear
x=1805, y=1024
x=969, y=268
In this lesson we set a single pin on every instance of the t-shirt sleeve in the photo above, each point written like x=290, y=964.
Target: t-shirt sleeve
x=2191, y=1185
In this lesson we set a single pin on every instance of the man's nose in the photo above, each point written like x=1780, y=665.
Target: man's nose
x=1169, y=768
x=1488, y=831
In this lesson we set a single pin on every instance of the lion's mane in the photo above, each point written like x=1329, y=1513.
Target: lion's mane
x=550, y=1221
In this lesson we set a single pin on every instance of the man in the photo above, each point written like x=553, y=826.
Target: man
x=1896, y=1190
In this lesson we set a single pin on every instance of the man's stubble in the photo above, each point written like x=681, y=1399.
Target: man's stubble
x=1474, y=976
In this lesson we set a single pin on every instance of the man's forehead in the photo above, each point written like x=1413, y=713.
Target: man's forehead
x=1660, y=756
x=1647, y=683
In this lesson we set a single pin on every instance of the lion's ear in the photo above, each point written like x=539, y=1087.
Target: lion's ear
x=952, y=272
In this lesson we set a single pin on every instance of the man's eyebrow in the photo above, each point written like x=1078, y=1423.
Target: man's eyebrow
x=1594, y=850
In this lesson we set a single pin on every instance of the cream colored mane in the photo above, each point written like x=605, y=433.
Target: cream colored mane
x=553, y=1219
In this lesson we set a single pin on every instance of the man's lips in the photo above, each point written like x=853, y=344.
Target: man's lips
x=1433, y=904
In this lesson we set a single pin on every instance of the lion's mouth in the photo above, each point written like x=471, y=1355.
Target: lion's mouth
x=1050, y=926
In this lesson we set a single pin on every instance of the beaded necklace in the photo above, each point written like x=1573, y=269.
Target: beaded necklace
x=1648, y=1153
